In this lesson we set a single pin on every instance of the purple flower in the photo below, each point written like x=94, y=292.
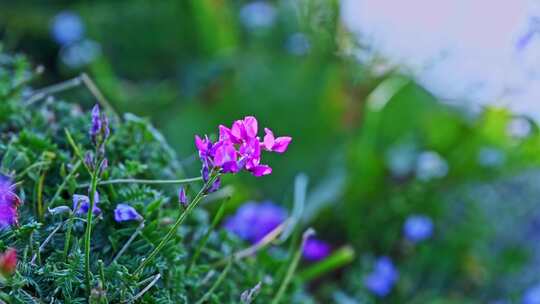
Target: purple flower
x=9, y=202
x=315, y=250
x=95, y=128
x=182, y=198
x=239, y=148
x=532, y=295
x=253, y=221
x=124, y=212
x=67, y=28
x=383, y=277
x=81, y=204
x=418, y=228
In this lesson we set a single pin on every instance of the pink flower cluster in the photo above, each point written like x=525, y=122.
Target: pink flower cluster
x=239, y=148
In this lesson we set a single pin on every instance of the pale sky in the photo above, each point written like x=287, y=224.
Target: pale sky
x=458, y=49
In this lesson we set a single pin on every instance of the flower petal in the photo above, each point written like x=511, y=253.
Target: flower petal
x=269, y=140
x=261, y=170
x=281, y=144
x=251, y=126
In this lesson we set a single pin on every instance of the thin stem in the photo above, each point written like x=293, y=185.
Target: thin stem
x=203, y=241
x=40, y=211
x=179, y=221
x=216, y=283
x=55, y=88
x=32, y=166
x=67, y=241
x=88, y=234
x=140, y=294
x=91, y=86
x=292, y=267
x=64, y=183
x=339, y=258
x=46, y=241
x=130, y=240
x=76, y=150
x=146, y=181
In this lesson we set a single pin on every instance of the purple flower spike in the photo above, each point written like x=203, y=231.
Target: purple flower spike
x=9, y=202
x=96, y=122
x=418, y=228
x=81, y=204
x=215, y=186
x=239, y=148
x=182, y=198
x=253, y=221
x=124, y=213
x=383, y=277
x=315, y=250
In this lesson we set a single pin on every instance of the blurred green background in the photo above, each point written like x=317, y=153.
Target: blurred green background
x=376, y=146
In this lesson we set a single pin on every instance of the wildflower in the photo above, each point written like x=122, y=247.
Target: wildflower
x=253, y=221
x=315, y=249
x=491, y=157
x=81, y=204
x=257, y=15
x=67, y=28
x=8, y=262
x=532, y=295
x=182, y=198
x=418, y=228
x=9, y=202
x=99, y=129
x=124, y=212
x=430, y=165
x=383, y=277
x=239, y=148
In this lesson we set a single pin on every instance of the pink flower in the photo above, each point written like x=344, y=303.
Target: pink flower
x=8, y=262
x=239, y=148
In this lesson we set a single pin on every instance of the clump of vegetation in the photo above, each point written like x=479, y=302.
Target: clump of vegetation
x=97, y=216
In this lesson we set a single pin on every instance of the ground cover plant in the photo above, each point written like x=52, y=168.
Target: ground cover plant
x=93, y=208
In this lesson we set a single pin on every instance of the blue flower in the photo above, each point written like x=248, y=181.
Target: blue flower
x=418, y=228
x=532, y=295
x=67, y=28
x=253, y=220
x=124, y=212
x=81, y=204
x=383, y=277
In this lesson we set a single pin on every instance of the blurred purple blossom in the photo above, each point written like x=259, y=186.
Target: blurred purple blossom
x=315, y=249
x=383, y=277
x=252, y=221
x=182, y=198
x=124, y=212
x=257, y=15
x=418, y=228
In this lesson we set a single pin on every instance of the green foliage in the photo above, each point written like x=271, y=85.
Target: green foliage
x=34, y=150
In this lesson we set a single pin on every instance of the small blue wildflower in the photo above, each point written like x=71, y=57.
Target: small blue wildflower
x=124, y=212
x=418, y=228
x=67, y=27
x=532, y=295
x=95, y=128
x=430, y=165
x=81, y=204
x=257, y=15
x=253, y=221
x=298, y=44
x=383, y=277
x=315, y=249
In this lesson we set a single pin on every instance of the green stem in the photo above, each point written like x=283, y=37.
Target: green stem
x=292, y=268
x=146, y=181
x=88, y=234
x=173, y=229
x=64, y=183
x=338, y=259
x=130, y=240
x=203, y=241
x=67, y=241
x=216, y=284
x=76, y=149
